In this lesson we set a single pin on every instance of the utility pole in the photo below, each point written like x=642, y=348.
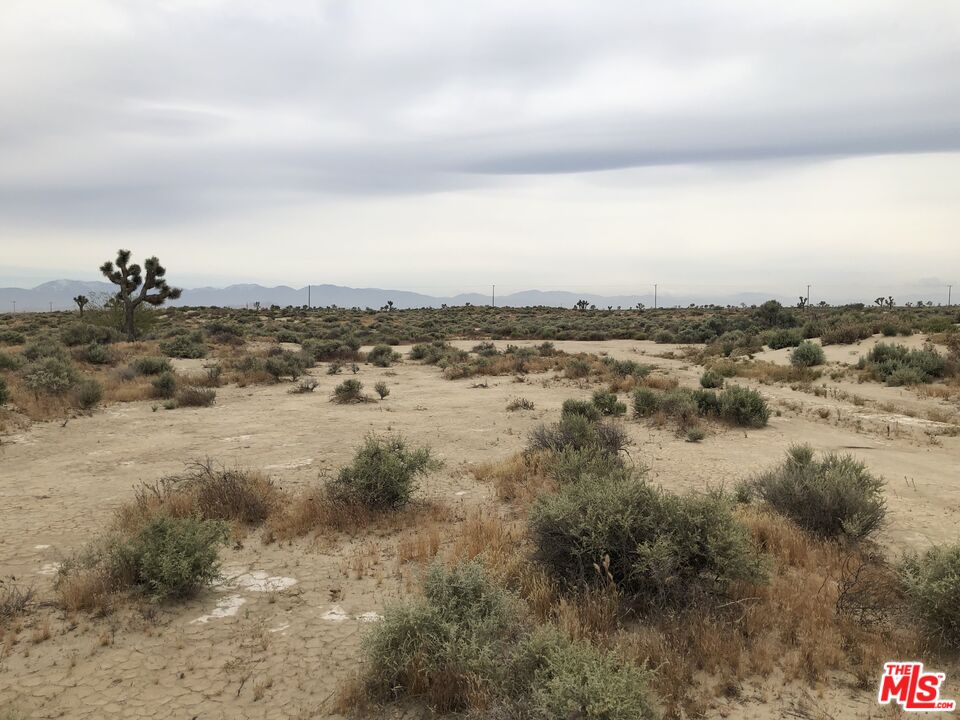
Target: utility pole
x=308, y=297
x=654, y=296
x=493, y=295
x=14, y=306
x=808, y=296
x=949, y=294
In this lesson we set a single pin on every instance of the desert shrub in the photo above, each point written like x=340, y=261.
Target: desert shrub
x=164, y=385
x=87, y=393
x=287, y=364
x=845, y=334
x=520, y=403
x=381, y=389
x=8, y=361
x=433, y=353
x=662, y=549
x=184, y=346
x=171, y=558
x=287, y=336
x=44, y=348
x=151, y=365
x=782, y=338
x=207, y=491
x=707, y=402
x=932, y=584
x=711, y=380
x=744, y=407
x=224, y=333
x=191, y=396
x=572, y=465
x=382, y=356
x=573, y=679
x=97, y=354
x=349, y=391
x=50, y=376
x=584, y=408
x=383, y=473
x=695, y=435
x=834, y=496
x=645, y=402
x=79, y=333
x=334, y=368
x=4, y=393
x=807, y=354
x=678, y=404
x=607, y=403
x=12, y=337
x=896, y=365
x=578, y=432
x=627, y=368
x=449, y=647
x=576, y=368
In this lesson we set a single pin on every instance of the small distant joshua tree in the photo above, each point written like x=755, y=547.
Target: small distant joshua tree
x=129, y=279
x=581, y=305
x=81, y=300
x=803, y=302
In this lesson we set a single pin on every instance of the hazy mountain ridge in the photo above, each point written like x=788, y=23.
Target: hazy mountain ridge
x=60, y=294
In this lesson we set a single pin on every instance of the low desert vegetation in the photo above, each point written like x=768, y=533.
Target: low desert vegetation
x=833, y=496
x=896, y=365
x=349, y=391
x=807, y=354
x=736, y=405
x=932, y=582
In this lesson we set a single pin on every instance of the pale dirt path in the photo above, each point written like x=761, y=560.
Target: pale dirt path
x=58, y=486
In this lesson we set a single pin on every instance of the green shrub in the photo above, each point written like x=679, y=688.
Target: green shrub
x=382, y=356
x=8, y=361
x=287, y=336
x=711, y=380
x=4, y=393
x=835, y=496
x=450, y=646
x=574, y=679
x=695, y=435
x=932, y=584
x=608, y=404
x=97, y=354
x=79, y=333
x=807, y=354
x=577, y=432
x=707, y=402
x=195, y=397
x=165, y=384
x=845, y=334
x=349, y=391
x=576, y=368
x=381, y=389
x=573, y=465
x=645, y=402
x=50, y=375
x=580, y=407
x=744, y=407
x=12, y=337
x=45, y=348
x=88, y=393
x=896, y=365
x=678, y=404
x=151, y=365
x=287, y=364
x=782, y=338
x=172, y=558
x=626, y=368
x=383, y=473
x=184, y=346
x=660, y=548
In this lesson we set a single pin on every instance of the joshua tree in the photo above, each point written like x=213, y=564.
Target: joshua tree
x=803, y=302
x=128, y=278
x=81, y=300
x=581, y=305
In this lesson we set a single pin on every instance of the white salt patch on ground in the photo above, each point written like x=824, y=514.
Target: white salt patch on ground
x=461, y=493
x=279, y=628
x=40, y=547
x=237, y=438
x=241, y=578
x=335, y=614
x=226, y=607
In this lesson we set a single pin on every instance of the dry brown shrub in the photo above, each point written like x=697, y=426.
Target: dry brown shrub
x=660, y=382
x=86, y=589
x=520, y=477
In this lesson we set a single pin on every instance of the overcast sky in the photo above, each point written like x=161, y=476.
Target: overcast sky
x=443, y=146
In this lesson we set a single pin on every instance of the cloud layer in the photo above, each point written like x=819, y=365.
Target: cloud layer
x=121, y=119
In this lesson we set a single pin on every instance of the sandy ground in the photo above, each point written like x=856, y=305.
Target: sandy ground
x=279, y=636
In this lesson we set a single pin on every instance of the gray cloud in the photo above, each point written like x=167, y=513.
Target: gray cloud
x=143, y=111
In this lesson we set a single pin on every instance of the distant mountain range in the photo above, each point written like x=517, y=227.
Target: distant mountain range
x=59, y=294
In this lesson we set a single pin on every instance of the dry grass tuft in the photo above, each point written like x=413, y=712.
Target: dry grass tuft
x=521, y=477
